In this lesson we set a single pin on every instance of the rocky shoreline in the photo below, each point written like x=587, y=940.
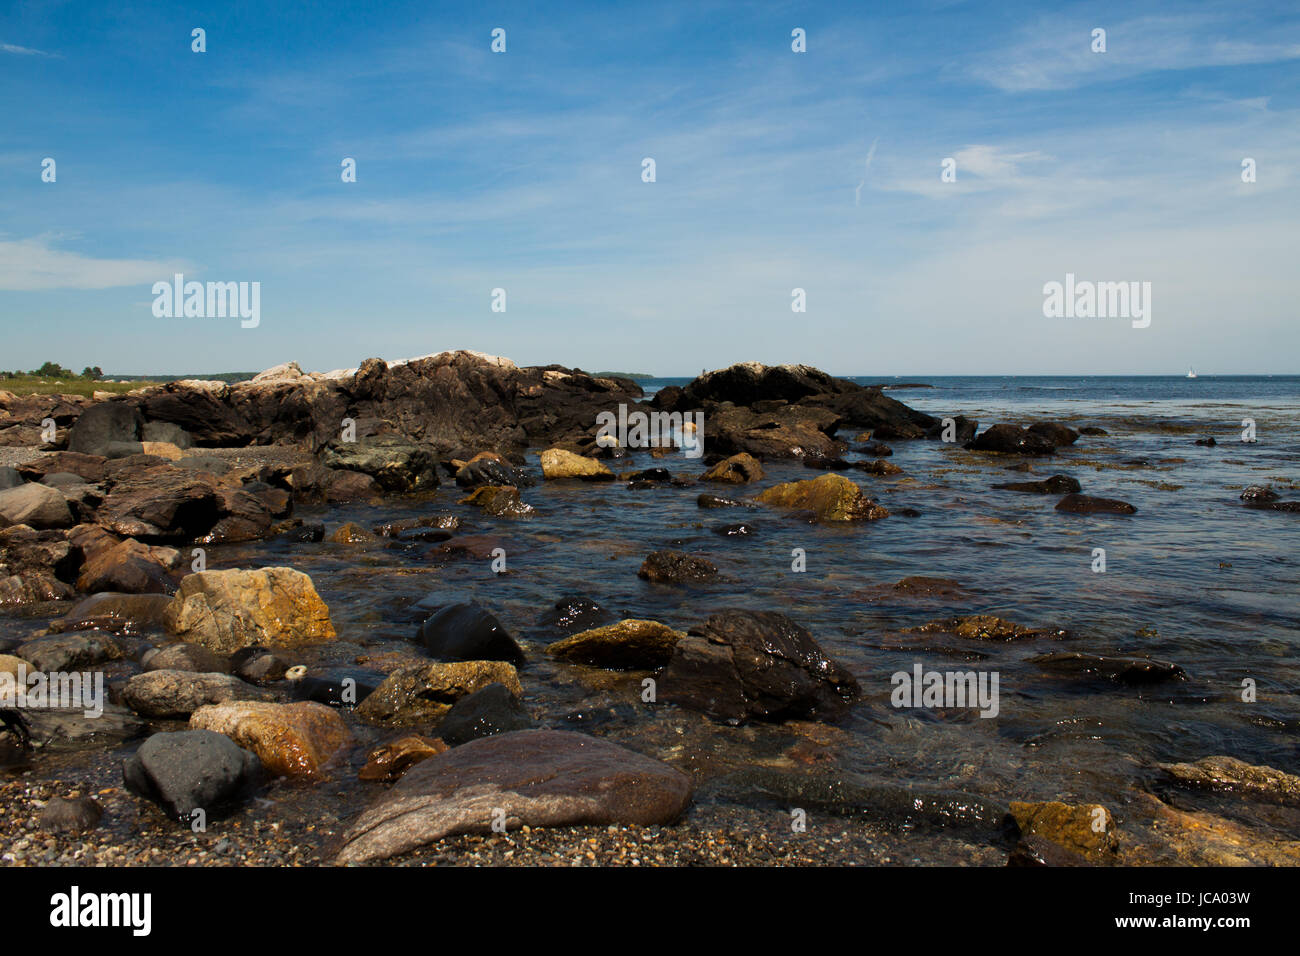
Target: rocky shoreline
x=217, y=743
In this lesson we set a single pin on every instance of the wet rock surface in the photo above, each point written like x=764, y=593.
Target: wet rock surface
x=1088, y=505
x=418, y=693
x=675, y=567
x=493, y=709
x=1056, y=485
x=292, y=740
x=628, y=645
x=468, y=632
x=1012, y=440
x=829, y=498
x=741, y=665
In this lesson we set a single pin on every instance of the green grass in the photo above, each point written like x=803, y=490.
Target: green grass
x=33, y=385
x=44, y=385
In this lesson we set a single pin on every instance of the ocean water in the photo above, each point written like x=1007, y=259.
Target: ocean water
x=1193, y=578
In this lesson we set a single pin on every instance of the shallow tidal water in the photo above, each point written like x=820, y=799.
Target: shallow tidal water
x=1193, y=578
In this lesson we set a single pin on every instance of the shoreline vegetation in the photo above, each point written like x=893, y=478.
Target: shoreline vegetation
x=150, y=538
x=52, y=379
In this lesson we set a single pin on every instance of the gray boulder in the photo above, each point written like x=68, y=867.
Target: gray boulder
x=191, y=770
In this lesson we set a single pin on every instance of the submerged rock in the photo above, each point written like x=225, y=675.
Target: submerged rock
x=737, y=470
x=743, y=664
x=878, y=467
x=1012, y=440
x=1086, y=829
x=849, y=795
x=116, y=613
x=986, y=627
x=922, y=586
x=675, y=567
x=1055, y=433
x=632, y=644
x=352, y=533
x=389, y=761
x=575, y=613
x=1056, y=485
x=71, y=814
x=741, y=530
x=717, y=501
x=532, y=777
x=1121, y=670
x=876, y=449
x=1202, y=839
x=468, y=632
x=493, y=709
x=500, y=500
x=1236, y=776
x=1088, y=505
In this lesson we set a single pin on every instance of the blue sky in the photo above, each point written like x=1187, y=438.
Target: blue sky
x=775, y=170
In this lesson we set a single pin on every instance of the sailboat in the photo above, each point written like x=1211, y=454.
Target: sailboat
x=1191, y=373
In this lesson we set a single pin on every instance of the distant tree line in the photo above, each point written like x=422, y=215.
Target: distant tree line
x=55, y=370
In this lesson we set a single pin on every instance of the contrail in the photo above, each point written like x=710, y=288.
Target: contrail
x=857, y=193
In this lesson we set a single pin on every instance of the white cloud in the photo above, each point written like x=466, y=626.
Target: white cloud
x=28, y=265
x=866, y=171
x=1056, y=54
x=23, y=50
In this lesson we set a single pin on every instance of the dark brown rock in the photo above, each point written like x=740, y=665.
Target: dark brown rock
x=1012, y=440
x=675, y=567
x=743, y=664
x=1088, y=505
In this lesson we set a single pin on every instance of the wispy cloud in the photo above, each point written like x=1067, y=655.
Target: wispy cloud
x=28, y=265
x=23, y=50
x=1056, y=53
x=866, y=171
